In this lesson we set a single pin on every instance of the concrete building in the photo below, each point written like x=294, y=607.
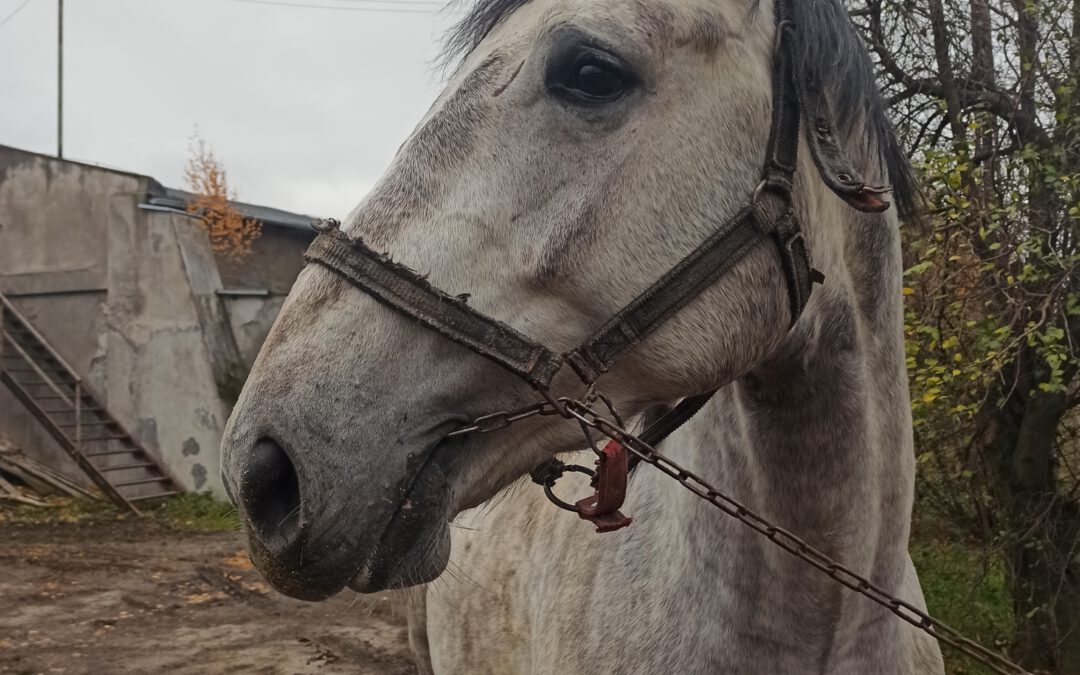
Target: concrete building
x=113, y=272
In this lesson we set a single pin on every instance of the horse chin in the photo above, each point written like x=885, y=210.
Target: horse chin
x=415, y=546
x=406, y=560
x=370, y=549
x=311, y=582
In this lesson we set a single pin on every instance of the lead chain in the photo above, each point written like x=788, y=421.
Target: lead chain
x=795, y=545
x=504, y=418
x=585, y=415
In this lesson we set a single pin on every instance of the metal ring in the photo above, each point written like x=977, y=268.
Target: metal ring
x=589, y=438
x=551, y=494
x=573, y=411
x=758, y=190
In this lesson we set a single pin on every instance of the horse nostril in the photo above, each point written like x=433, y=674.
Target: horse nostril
x=270, y=496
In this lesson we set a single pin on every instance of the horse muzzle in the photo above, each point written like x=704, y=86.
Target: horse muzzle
x=310, y=547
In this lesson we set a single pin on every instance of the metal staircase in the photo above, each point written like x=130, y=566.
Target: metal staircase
x=54, y=393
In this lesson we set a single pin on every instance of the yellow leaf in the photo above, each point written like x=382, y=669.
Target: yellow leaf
x=908, y=290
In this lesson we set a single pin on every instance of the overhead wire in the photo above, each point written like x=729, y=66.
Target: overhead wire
x=394, y=10
x=436, y=3
x=11, y=16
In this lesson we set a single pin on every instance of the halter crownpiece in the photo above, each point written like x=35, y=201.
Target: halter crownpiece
x=769, y=216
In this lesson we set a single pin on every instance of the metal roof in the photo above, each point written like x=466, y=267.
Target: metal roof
x=171, y=198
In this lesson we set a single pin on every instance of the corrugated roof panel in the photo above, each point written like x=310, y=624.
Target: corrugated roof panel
x=179, y=199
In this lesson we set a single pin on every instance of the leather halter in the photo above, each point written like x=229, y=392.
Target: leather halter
x=768, y=216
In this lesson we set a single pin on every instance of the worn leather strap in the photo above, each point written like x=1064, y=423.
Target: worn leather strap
x=772, y=203
x=657, y=428
x=781, y=151
x=404, y=290
x=692, y=275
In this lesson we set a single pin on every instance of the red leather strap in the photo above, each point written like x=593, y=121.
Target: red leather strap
x=602, y=508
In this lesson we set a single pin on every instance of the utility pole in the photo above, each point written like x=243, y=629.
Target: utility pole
x=60, y=81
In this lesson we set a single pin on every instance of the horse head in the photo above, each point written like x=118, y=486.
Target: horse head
x=578, y=152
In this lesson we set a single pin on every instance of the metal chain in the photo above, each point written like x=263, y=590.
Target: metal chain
x=584, y=414
x=504, y=418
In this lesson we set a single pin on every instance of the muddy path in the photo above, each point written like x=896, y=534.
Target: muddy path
x=136, y=597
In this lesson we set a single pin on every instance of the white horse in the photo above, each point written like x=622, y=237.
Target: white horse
x=579, y=151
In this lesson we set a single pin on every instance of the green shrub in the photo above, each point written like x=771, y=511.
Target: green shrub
x=965, y=589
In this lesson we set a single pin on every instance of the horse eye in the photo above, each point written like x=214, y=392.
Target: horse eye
x=597, y=81
x=588, y=76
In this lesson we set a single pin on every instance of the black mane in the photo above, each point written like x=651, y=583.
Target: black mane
x=831, y=53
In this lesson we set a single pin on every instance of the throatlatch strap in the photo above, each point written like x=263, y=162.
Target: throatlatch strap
x=783, y=144
x=402, y=289
x=771, y=204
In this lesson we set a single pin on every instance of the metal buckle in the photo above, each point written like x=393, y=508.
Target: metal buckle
x=548, y=473
x=609, y=480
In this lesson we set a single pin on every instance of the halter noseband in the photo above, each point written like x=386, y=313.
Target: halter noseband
x=769, y=215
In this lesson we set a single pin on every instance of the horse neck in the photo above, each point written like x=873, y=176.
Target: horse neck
x=818, y=438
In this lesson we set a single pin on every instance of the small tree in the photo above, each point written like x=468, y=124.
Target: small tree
x=230, y=232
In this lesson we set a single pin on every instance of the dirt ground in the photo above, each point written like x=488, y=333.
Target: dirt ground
x=137, y=597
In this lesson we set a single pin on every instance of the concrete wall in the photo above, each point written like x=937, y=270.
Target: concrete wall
x=250, y=319
x=63, y=208
x=255, y=286
x=159, y=374
x=54, y=223
x=134, y=300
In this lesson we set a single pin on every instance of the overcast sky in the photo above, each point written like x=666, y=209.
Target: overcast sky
x=305, y=106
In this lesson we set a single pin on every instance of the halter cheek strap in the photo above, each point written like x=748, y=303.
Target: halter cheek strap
x=768, y=216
